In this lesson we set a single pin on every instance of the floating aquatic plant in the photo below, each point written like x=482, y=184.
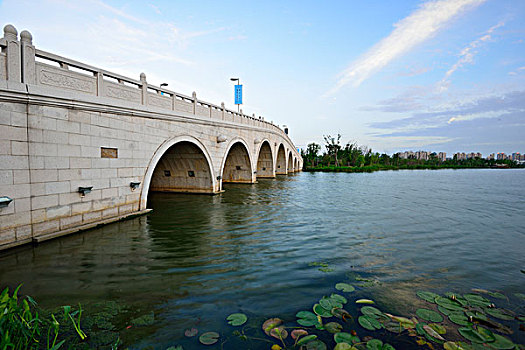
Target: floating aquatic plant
x=209, y=338
x=237, y=319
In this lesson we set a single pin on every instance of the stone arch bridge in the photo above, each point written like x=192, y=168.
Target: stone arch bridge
x=81, y=146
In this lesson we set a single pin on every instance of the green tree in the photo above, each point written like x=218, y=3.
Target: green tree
x=333, y=147
x=312, y=152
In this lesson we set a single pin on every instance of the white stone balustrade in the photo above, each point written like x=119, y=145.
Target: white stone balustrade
x=21, y=62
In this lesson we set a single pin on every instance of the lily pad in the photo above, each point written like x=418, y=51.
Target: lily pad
x=369, y=323
x=333, y=327
x=271, y=323
x=339, y=298
x=429, y=315
x=388, y=347
x=279, y=332
x=306, y=339
x=432, y=333
x=329, y=303
x=237, y=319
x=371, y=311
x=343, y=346
x=497, y=295
x=321, y=311
x=477, y=300
x=343, y=337
x=307, y=318
x=419, y=328
x=438, y=328
x=316, y=345
x=447, y=312
x=501, y=342
x=449, y=304
x=471, y=335
x=502, y=314
x=403, y=321
x=394, y=327
x=427, y=296
x=374, y=344
x=297, y=333
x=345, y=287
x=454, y=346
x=341, y=313
x=191, y=332
x=209, y=338
x=487, y=335
x=459, y=318
x=364, y=301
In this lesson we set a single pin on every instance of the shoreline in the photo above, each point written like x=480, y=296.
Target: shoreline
x=373, y=168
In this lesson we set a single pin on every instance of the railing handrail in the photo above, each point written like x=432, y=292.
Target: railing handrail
x=26, y=54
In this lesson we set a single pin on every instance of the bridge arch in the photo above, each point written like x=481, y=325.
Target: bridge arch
x=265, y=160
x=280, y=162
x=237, y=163
x=180, y=164
x=290, y=163
x=295, y=167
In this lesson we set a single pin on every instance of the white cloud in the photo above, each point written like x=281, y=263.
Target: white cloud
x=411, y=142
x=467, y=56
x=419, y=26
x=517, y=71
x=472, y=116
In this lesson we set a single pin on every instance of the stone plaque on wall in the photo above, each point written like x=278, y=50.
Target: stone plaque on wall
x=106, y=152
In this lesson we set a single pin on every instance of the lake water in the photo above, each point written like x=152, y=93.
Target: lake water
x=257, y=249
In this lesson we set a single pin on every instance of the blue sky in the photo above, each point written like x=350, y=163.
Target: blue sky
x=445, y=75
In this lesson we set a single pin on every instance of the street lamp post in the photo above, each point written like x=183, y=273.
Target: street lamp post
x=238, y=93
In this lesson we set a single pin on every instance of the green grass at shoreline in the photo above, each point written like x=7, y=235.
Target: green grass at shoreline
x=372, y=168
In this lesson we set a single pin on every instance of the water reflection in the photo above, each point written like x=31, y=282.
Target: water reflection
x=195, y=259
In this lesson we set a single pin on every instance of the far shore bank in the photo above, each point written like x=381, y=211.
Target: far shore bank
x=373, y=168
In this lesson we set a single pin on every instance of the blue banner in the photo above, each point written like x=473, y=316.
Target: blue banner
x=238, y=94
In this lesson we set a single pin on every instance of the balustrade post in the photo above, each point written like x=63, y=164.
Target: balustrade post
x=144, y=86
x=28, y=58
x=222, y=110
x=100, y=83
x=194, y=96
x=12, y=53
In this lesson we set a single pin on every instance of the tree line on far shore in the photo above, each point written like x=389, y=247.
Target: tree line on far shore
x=354, y=158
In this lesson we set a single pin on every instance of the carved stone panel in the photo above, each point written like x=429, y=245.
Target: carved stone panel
x=216, y=114
x=64, y=79
x=183, y=106
x=159, y=100
x=122, y=92
x=203, y=111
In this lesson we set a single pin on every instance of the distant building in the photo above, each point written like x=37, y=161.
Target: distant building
x=501, y=156
x=422, y=155
x=473, y=155
x=406, y=155
x=516, y=156
x=460, y=156
x=442, y=156
x=491, y=156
